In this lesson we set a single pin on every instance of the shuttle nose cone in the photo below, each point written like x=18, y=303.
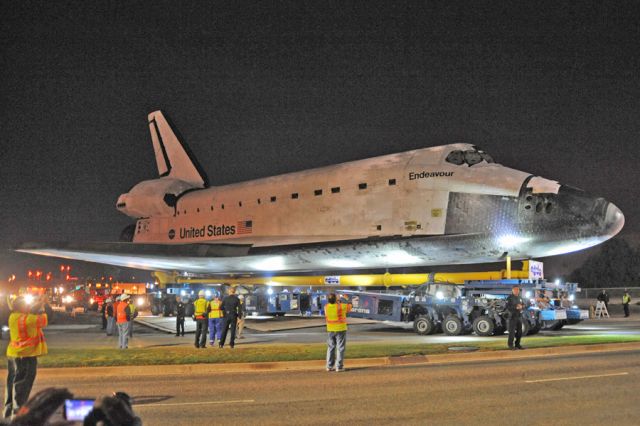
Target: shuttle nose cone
x=613, y=220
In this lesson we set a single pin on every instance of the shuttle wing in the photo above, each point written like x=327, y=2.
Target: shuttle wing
x=139, y=256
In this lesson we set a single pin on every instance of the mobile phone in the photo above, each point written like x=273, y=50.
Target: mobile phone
x=77, y=409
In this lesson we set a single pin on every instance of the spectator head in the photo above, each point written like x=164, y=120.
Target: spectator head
x=332, y=298
x=515, y=290
x=232, y=290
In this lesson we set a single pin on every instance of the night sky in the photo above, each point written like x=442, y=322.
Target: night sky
x=258, y=89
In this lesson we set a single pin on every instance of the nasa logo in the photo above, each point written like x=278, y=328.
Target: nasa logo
x=172, y=234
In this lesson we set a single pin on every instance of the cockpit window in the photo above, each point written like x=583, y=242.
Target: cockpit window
x=456, y=157
x=470, y=157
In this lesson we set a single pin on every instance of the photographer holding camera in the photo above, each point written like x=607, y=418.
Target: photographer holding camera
x=26, y=322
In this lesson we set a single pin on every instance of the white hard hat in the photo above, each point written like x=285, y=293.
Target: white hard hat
x=125, y=296
x=109, y=300
x=201, y=293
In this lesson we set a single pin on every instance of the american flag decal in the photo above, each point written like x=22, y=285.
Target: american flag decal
x=245, y=227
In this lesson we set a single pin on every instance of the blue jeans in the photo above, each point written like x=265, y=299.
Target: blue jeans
x=123, y=334
x=336, y=345
x=215, y=329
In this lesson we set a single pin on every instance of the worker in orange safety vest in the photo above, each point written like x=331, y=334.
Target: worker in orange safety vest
x=335, y=313
x=123, y=317
x=26, y=322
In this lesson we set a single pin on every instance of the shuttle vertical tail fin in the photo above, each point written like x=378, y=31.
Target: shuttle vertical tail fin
x=173, y=157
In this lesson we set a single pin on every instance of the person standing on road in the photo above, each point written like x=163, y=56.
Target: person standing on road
x=231, y=310
x=626, y=299
x=200, y=310
x=123, y=316
x=604, y=297
x=335, y=314
x=111, y=316
x=134, y=314
x=215, y=320
x=180, y=308
x=515, y=306
x=26, y=345
x=103, y=314
x=241, y=317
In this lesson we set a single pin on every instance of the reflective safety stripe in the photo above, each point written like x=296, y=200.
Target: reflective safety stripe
x=27, y=339
x=22, y=327
x=200, y=308
x=215, y=312
x=336, y=316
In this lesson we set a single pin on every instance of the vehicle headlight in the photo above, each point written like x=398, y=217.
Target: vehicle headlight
x=140, y=301
x=28, y=298
x=439, y=295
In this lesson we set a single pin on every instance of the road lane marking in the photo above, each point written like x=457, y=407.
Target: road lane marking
x=172, y=404
x=576, y=377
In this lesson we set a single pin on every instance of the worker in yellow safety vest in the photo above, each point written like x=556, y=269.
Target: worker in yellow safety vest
x=626, y=299
x=26, y=322
x=215, y=320
x=134, y=313
x=200, y=311
x=335, y=313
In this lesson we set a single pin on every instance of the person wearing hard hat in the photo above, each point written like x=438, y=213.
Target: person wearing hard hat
x=123, y=316
x=27, y=344
x=200, y=312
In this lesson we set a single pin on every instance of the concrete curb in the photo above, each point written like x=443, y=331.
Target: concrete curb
x=350, y=364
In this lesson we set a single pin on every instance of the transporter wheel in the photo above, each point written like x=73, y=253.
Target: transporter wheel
x=526, y=327
x=552, y=325
x=483, y=326
x=423, y=325
x=535, y=329
x=452, y=326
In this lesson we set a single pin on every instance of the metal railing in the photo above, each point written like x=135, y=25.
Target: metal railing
x=615, y=293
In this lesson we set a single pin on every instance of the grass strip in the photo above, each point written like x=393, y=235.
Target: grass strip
x=169, y=355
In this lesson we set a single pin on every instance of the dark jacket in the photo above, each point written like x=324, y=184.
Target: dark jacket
x=512, y=303
x=180, y=310
x=603, y=297
x=231, y=306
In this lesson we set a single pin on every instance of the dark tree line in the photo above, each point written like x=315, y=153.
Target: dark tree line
x=617, y=264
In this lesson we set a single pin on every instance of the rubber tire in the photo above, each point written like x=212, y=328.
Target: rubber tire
x=483, y=326
x=452, y=326
x=526, y=327
x=557, y=326
x=423, y=325
x=534, y=330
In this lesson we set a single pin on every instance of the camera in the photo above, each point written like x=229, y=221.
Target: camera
x=77, y=409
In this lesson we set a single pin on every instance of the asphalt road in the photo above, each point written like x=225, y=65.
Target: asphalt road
x=579, y=389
